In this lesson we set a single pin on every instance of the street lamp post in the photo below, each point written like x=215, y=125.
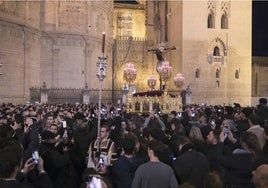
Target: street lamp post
x=101, y=74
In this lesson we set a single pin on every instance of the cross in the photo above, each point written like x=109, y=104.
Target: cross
x=159, y=55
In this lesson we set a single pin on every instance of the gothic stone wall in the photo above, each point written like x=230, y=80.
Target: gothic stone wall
x=19, y=49
x=56, y=42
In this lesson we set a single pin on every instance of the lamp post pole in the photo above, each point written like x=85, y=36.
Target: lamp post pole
x=101, y=74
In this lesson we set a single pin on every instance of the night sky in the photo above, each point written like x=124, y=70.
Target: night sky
x=260, y=28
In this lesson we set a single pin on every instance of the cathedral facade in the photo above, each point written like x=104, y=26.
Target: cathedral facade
x=57, y=43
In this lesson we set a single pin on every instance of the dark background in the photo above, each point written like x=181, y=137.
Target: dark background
x=260, y=28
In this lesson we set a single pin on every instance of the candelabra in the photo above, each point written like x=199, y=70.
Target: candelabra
x=178, y=81
x=165, y=72
x=101, y=74
x=151, y=81
x=130, y=73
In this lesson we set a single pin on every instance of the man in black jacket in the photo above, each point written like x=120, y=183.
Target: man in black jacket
x=56, y=164
x=190, y=166
x=11, y=154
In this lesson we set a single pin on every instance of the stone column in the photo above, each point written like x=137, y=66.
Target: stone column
x=188, y=96
x=44, y=93
x=86, y=95
x=55, y=67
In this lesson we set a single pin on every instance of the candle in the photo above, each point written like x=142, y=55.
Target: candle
x=103, y=42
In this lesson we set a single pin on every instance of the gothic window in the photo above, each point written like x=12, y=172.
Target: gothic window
x=236, y=74
x=224, y=21
x=216, y=51
x=217, y=84
x=217, y=73
x=197, y=73
x=211, y=21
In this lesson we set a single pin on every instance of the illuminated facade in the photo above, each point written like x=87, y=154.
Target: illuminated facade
x=59, y=42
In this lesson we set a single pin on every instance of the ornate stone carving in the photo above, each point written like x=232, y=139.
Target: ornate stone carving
x=225, y=7
x=13, y=8
x=72, y=15
x=211, y=6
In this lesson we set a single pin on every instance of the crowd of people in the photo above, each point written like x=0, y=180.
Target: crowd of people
x=62, y=146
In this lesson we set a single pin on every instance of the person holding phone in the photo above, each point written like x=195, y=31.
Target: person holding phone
x=239, y=165
x=56, y=164
x=30, y=138
x=12, y=171
x=107, y=150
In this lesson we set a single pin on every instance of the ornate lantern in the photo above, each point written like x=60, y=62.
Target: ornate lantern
x=151, y=81
x=165, y=71
x=178, y=80
x=130, y=73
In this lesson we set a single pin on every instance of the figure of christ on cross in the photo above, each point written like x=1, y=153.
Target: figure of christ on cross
x=159, y=55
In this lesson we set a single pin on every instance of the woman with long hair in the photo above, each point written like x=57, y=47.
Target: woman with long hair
x=238, y=166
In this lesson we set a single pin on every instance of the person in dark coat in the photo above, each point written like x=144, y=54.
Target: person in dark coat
x=242, y=162
x=188, y=164
x=262, y=110
x=124, y=168
x=82, y=137
x=11, y=154
x=243, y=124
x=30, y=138
x=57, y=165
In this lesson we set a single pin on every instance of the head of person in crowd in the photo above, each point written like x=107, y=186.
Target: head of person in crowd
x=157, y=134
x=213, y=180
x=228, y=124
x=32, y=111
x=18, y=122
x=260, y=176
x=203, y=119
x=185, y=144
x=129, y=143
x=208, y=111
x=236, y=107
x=79, y=119
x=228, y=112
x=213, y=136
x=263, y=101
x=124, y=127
x=54, y=128
x=28, y=121
x=249, y=141
x=155, y=150
x=172, y=115
x=25, y=112
x=48, y=120
x=6, y=131
x=3, y=120
x=104, y=131
x=176, y=124
x=11, y=153
x=195, y=133
x=48, y=137
x=245, y=113
x=254, y=119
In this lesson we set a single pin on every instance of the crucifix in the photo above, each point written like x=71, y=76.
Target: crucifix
x=159, y=52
